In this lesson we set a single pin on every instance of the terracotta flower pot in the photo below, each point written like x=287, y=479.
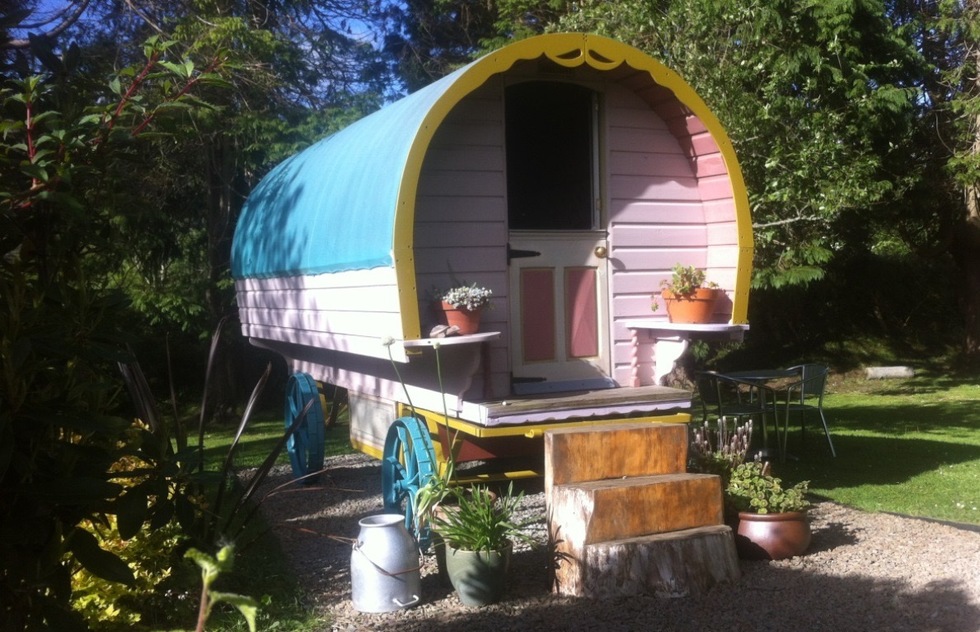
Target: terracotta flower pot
x=467, y=321
x=772, y=536
x=695, y=308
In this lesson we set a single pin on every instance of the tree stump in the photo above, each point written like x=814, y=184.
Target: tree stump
x=625, y=517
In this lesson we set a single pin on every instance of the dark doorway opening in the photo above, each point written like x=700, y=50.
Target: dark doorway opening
x=549, y=156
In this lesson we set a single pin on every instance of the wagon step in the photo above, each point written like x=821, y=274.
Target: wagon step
x=626, y=517
x=676, y=564
x=614, y=509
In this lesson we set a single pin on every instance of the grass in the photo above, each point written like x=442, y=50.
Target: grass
x=903, y=446
x=261, y=436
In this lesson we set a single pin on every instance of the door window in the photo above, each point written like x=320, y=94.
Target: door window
x=549, y=135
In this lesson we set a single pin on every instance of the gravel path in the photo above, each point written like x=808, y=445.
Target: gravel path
x=863, y=572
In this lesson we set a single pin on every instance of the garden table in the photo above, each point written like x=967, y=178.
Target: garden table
x=767, y=381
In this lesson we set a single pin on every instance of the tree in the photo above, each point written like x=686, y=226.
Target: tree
x=113, y=143
x=62, y=327
x=817, y=100
x=959, y=57
x=427, y=39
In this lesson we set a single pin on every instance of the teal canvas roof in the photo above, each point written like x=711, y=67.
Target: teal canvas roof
x=331, y=207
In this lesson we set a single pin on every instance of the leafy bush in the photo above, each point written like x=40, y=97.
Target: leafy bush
x=754, y=489
x=163, y=589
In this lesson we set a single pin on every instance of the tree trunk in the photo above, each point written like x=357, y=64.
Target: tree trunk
x=222, y=205
x=967, y=253
x=966, y=247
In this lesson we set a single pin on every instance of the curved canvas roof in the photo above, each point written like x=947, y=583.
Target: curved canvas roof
x=348, y=201
x=332, y=206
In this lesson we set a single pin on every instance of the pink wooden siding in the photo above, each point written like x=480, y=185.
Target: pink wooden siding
x=684, y=206
x=667, y=199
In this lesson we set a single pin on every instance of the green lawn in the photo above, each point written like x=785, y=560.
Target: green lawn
x=261, y=436
x=905, y=446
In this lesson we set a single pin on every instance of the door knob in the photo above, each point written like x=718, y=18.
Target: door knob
x=601, y=252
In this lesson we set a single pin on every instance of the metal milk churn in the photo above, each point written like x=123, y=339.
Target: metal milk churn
x=384, y=565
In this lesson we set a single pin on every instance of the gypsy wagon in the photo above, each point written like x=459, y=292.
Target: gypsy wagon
x=566, y=172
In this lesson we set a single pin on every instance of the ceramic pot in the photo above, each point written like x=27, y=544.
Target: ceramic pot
x=696, y=308
x=772, y=536
x=439, y=549
x=468, y=321
x=479, y=577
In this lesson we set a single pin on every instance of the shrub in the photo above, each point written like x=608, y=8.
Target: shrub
x=754, y=489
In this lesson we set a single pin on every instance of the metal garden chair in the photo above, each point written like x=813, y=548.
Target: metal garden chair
x=806, y=396
x=723, y=396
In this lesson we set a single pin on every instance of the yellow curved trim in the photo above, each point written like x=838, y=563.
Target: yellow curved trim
x=569, y=50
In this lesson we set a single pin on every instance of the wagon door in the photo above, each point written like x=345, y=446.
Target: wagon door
x=559, y=310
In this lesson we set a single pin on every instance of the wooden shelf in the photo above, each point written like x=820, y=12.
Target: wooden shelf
x=451, y=340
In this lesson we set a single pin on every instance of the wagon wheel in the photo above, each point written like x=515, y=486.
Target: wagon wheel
x=407, y=464
x=305, y=444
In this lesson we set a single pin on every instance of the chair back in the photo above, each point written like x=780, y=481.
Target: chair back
x=708, y=389
x=717, y=390
x=813, y=380
x=708, y=394
x=723, y=395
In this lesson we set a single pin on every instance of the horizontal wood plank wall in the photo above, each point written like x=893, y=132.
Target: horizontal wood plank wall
x=345, y=311
x=669, y=201
x=461, y=216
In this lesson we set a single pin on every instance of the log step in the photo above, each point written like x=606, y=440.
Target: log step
x=677, y=564
x=577, y=454
x=612, y=509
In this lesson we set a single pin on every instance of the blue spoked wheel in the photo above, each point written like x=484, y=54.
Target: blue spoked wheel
x=407, y=464
x=305, y=444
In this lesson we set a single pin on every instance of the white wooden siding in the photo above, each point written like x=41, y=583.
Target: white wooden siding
x=346, y=311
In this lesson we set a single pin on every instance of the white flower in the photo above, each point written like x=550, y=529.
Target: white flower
x=471, y=297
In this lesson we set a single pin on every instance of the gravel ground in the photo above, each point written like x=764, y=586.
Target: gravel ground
x=863, y=572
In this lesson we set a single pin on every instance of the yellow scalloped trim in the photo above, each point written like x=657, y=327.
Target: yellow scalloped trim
x=569, y=50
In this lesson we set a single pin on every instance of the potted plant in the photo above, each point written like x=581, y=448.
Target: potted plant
x=719, y=450
x=428, y=502
x=689, y=297
x=772, y=519
x=463, y=305
x=479, y=533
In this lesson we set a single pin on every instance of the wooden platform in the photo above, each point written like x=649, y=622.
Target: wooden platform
x=625, y=518
x=586, y=404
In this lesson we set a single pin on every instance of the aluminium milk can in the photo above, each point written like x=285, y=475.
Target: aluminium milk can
x=384, y=565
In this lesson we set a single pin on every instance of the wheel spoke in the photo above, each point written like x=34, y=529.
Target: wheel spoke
x=405, y=467
x=305, y=444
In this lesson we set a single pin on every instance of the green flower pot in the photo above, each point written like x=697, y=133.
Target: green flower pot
x=479, y=577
